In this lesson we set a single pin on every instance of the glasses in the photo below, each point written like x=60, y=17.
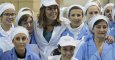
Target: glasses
x=9, y=14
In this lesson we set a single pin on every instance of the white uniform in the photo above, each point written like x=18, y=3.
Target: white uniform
x=5, y=40
x=46, y=48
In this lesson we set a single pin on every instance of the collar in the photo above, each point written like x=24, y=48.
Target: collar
x=6, y=33
x=13, y=53
x=75, y=29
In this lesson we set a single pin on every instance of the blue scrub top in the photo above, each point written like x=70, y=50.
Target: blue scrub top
x=32, y=39
x=112, y=24
x=82, y=33
x=1, y=52
x=11, y=55
x=89, y=51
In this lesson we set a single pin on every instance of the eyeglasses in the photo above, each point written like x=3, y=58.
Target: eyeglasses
x=9, y=14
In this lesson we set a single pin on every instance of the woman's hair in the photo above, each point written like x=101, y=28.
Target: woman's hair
x=75, y=7
x=56, y=51
x=42, y=17
x=24, y=18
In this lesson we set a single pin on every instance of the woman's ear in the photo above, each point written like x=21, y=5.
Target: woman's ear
x=56, y=51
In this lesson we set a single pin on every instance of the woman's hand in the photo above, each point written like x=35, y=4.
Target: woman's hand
x=109, y=39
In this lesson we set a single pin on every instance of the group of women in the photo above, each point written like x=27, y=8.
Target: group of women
x=83, y=33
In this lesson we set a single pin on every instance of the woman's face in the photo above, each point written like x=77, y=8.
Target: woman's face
x=20, y=41
x=8, y=16
x=100, y=29
x=67, y=52
x=28, y=24
x=108, y=12
x=76, y=17
x=92, y=10
x=51, y=12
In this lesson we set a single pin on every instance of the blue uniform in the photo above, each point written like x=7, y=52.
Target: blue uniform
x=1, y=52
x=112, y=24
x=112, y=32
x=11, y=55
x=88, y=51
x=32, y=39
x=82, y=33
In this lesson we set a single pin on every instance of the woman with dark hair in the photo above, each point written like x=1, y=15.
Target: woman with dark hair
x=96, y=47
x=26, y=18
x=48, y=28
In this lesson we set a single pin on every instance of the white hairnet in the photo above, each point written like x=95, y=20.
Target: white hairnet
x=66, y=41
x=94, y=19
x=69, y=8
x=25, y=9
x=91, y=4
x=21, y=14
x=19, y=29
x=5, y=6
x=107, y=5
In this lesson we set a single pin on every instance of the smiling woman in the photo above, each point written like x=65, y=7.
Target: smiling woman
x=96, y=47
x=48, y=28
x=7, y=15
x=20, y=39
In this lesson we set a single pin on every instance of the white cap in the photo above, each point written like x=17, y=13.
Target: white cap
x=107, y=5
x=24, y=9
x=21, y=14
x=19, y=29
x=94, y=19
x=48, y=2
x=69, y=8
x=67, y=41
x=5, y=6
x=91, y=4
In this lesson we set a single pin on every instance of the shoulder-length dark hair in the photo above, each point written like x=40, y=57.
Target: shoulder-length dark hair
x=42, y=17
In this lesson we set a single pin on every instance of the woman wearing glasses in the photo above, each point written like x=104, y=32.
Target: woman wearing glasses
x=7, y=17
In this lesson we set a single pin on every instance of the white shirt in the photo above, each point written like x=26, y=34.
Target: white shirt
x=75, y=31
x=5, y=40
